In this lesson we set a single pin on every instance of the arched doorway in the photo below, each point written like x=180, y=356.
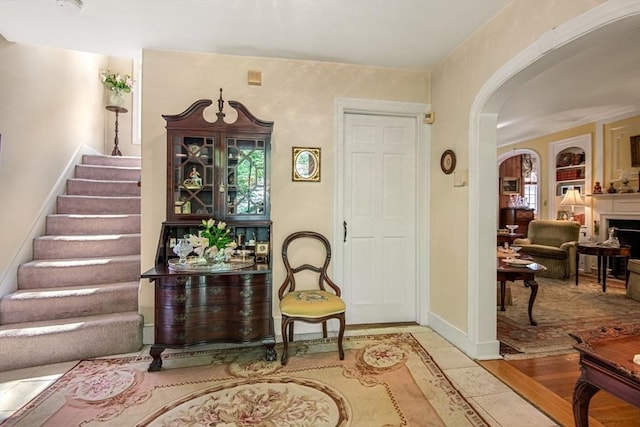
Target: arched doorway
x=482, y=160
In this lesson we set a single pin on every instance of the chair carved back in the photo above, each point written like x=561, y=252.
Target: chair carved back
x=289, y=284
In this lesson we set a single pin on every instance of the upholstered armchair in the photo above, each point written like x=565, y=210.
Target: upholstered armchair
x=552, y=244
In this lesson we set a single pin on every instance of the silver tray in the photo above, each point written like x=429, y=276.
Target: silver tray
x=196, y=264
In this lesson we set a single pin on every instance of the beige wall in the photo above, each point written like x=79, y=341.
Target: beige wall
x=617, y=149
x=50, y=104
x=297, y=95
x=455, y=83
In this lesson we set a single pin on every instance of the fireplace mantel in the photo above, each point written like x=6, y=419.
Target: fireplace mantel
x=615, y=206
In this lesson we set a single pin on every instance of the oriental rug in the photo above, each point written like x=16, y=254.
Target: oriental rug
x=384, y=380
x=561, y=308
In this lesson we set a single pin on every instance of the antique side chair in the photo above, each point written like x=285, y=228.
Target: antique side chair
x=309, y=302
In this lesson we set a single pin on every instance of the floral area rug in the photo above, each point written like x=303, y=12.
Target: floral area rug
x=384, y=380
x=561, y=308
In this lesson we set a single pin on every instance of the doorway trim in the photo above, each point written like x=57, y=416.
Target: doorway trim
x=344, y=106
x=481, y=311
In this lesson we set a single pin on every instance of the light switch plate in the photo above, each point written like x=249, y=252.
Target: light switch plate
x=460, y=178
x=255, y=78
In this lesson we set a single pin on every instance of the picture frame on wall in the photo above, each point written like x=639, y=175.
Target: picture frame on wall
x=565, y=188
x=509, y=185
x=634, y=142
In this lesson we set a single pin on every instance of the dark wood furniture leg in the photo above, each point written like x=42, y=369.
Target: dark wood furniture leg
x=503, y=285
x=156, y=363
x=582, y=394
x=577, y=263
x=604, y=273
x=599, y=258
x=534, y=291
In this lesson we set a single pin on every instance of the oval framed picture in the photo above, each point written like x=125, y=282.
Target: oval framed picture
x=448, y=161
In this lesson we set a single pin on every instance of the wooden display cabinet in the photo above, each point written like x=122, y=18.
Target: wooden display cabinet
x=518, y=216
x=215, y=170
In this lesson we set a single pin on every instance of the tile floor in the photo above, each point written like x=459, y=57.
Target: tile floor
x=496, y=402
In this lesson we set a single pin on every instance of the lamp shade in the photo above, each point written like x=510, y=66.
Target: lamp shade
x=572, y=198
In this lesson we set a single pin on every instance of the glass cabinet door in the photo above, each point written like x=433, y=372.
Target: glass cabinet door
x=193, y=175
x=246, y=177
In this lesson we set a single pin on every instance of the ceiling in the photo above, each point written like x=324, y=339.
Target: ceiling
x=594, y=76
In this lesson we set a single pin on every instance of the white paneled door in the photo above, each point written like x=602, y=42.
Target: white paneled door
x=379, y=218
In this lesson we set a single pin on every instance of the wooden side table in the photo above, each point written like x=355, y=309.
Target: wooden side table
x=506, y=272
x=117, y=110
x=603, y=253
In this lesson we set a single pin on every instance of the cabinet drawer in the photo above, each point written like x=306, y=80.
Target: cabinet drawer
x=232, y=331
x=522, y=214
x=250, y=330
x=180, y=335
x=190, y=296
x=191, y=316
x=205, y=315
x=193, y=291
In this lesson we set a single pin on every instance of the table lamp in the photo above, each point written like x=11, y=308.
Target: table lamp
x=572, y=198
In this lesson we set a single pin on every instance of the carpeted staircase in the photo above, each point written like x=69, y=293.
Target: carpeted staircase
x=78, y=297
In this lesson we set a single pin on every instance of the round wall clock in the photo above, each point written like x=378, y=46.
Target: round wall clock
x=448, y=161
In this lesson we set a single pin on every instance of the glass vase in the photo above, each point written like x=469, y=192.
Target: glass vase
x=182, y=249
x=116, y=98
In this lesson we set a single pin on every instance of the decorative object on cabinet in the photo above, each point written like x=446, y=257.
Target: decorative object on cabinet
x=448, y=162
x=572, y=198
x=310, y=305
x=516, y=216
x=509, y=185
x=611, y=189
x=221, y=299
x=305, y=164
x=262, y=251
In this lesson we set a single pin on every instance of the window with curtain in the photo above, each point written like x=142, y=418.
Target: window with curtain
x=530, y=179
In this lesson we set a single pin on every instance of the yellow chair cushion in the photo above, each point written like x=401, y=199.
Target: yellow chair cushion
x=311, y=304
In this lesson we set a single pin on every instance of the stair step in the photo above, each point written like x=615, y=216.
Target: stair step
x=97, y=205
x=74, y=246
x=79, y=271
x=130, y=161
x=59, y=224
x=53, y=341
x=107, y=172
x=95, y=187
x=69, y=301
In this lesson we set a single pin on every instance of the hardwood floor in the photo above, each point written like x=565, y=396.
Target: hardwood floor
x=548, y=383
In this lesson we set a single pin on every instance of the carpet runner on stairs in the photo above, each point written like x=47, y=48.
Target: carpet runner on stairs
x=78, y=297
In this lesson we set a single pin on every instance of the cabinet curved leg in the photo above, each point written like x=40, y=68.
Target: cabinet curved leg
x=271, y=353
x=156, y=363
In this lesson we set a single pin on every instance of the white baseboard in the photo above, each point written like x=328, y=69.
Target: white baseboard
x=480, y=351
